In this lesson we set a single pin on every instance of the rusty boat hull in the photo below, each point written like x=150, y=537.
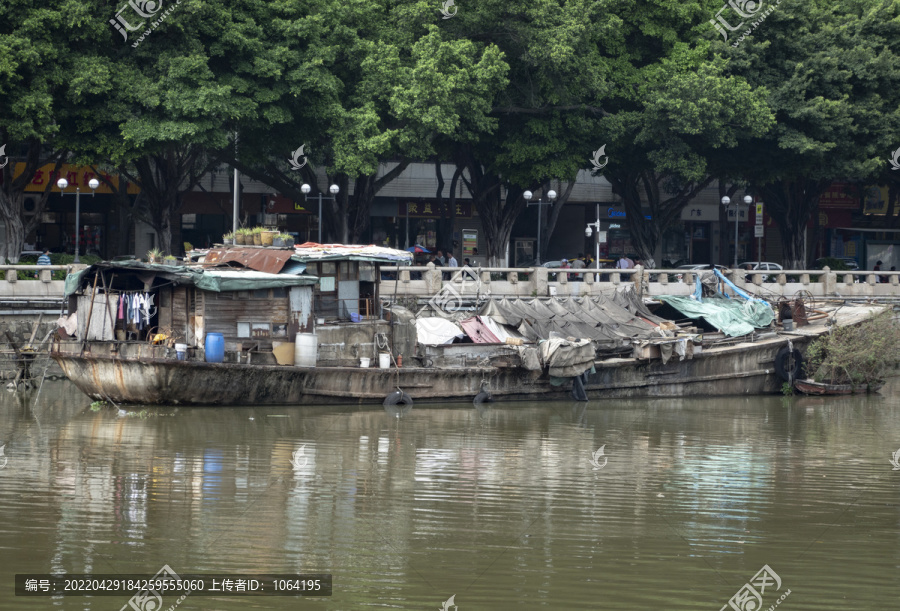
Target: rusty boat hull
x=741, y=369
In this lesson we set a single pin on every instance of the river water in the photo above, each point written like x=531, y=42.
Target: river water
x=508, y=507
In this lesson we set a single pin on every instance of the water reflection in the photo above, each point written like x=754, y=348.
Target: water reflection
x=498, y=503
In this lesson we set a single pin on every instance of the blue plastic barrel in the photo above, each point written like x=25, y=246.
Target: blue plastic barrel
x=215, y=348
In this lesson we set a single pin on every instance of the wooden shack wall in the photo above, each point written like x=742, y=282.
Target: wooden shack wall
x=221, y=313
x=173, y=311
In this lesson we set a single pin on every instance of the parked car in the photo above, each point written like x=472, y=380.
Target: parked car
x=762, y=265
x=694, y=267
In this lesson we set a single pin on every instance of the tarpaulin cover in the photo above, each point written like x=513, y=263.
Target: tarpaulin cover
x=478, y=332
x=216, y=280
x=311, y=251
x=567, y=359
x=596, y=318
x=434, y=331
x=731, y=317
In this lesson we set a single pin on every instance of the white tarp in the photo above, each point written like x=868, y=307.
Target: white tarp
x=501, y=331
x=434, y=331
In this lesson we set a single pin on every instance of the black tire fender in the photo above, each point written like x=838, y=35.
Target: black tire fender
x=483, y=397
x=397, y=398
x=782, y=364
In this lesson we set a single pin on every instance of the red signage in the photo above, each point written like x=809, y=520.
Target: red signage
x=840, y=195
x=430, y=209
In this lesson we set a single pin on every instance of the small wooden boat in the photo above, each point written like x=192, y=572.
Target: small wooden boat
x=811, y=387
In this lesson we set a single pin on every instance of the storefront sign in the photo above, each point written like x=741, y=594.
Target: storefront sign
x=876, y=201
x=469, y=242
x=78, y=176
x=840, y=195
x=430, y=209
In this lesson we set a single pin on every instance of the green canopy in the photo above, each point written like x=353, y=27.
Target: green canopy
x=217, y=280
x=730, y=316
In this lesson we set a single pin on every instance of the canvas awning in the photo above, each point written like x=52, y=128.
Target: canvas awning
x=216, y=280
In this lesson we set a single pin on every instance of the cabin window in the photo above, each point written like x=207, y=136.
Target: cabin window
x=243, y=294
x=327, y=268
x=279, y=330
x=367, y=272
x=279, y=293
x=261, y=294
x=260, y=329
x=326, y=284
x=243, y=329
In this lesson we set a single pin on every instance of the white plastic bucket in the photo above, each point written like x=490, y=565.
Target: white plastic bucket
x=306, y=350
x=384, y=360
x=363, y=361
x=181, y=351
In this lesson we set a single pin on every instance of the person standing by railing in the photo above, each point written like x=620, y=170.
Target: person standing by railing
x=44, y=259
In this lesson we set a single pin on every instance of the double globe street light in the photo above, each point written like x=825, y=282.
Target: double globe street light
x=551, y=195
x=63, y=184
x=333, y=189
x=726, y=201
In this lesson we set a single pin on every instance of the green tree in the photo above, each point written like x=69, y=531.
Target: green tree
x=832, y=77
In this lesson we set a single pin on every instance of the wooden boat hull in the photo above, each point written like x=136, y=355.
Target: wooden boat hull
x=811, y=387
x=733, y=370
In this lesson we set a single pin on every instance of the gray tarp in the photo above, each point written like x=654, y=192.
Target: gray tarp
x=597, y=318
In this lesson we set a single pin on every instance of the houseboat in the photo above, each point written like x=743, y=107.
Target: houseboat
x=308, y=325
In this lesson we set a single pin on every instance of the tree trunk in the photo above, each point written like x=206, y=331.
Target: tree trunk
x=555, y=209
x=791, y=202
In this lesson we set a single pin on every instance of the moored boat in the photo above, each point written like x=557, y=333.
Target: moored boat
x=299, y=326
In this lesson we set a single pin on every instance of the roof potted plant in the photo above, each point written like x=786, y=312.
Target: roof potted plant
x=154, y=255
x=288, y=240
x=257, y=232
x=228, y=238
x=242, y=236
x=267, y=236
x=278, y=241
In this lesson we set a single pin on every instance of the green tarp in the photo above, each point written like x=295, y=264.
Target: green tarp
x=730, y=316
x=216, y=280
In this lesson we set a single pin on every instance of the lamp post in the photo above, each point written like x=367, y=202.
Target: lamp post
x=62, y=183
x=726, y=201
x=333, y=189
x=551, y=195
x=591, y=227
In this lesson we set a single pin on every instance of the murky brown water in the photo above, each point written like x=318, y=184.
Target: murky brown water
x=501, y=508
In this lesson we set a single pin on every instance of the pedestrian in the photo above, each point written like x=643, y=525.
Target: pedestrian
x=564, y=264
x=877, y=268
x=44, y=259
x=623, y=261
x=440, y=256
x=437, y=261
x=452, y=262
x=466, y=261
x=579, y=263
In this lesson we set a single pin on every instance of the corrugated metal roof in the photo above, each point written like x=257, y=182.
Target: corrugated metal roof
x=269, y=260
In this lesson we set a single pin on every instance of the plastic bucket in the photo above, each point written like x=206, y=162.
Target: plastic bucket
x=384, y=360
x=215, y=348
x=181, y=351
x=306, y=350
x=788, y=324
x=364, y=362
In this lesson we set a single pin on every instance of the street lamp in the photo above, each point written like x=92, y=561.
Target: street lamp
x=62, y=183
x=589, y=231
x=333, y=189
x=726, y=201
x=551, y=195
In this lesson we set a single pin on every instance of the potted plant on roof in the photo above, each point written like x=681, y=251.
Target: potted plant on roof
x=169, y=260
x=154, y=255
x=278, y=241
x=257, y=232
x=228, y=238
x=242, y=236
x=267, y=236
x=288, y=240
